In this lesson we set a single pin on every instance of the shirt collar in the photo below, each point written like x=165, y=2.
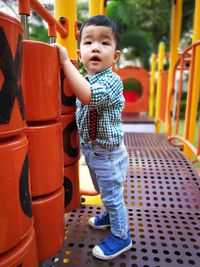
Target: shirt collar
x=95, y=77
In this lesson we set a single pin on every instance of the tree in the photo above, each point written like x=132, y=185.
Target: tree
x=144, y=24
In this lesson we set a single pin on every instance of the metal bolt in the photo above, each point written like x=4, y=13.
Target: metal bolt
x=62, y=20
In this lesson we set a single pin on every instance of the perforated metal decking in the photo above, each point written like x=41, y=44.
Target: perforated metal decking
x=162, y=194
x=136, y=118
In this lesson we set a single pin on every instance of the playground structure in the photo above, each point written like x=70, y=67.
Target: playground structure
x=39, y=152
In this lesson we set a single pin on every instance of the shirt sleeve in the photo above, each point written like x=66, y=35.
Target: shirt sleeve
x=106, y=92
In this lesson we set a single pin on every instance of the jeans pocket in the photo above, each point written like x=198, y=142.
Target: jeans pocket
x=101, y=154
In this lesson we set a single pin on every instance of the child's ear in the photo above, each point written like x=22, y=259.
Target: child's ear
x=79, y=54
x=117, y=55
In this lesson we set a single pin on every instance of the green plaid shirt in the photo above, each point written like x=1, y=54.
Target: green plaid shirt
x=107, y=98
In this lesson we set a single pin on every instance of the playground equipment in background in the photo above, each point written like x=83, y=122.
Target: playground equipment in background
x=162, y=86
x=136, y=96
x=186, y=60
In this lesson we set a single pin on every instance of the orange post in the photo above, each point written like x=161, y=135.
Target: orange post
x=24, y=7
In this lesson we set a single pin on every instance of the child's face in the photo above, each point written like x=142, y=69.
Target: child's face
x=97, y=48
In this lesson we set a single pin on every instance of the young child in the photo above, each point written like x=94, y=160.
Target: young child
x=102, y=92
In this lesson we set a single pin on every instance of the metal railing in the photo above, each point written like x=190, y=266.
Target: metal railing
x=186, y=61
x=54, y=26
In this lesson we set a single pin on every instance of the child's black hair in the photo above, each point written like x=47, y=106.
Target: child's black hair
x=100, y=20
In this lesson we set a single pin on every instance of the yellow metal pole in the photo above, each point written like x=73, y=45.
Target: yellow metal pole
x=102, y=7
x=191, y=120
x=94, y=7
x=176, y=18
x=152, y=84
x=68, y=10
x=161, y=54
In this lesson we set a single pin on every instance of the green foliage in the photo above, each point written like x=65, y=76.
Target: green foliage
x=121, y=12
x=82, y=11
x=153, y=17
x=188, y=14
x=138, y=46
x=143, y=24
x=39, y=33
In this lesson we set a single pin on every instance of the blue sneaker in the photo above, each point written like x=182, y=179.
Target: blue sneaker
x=111, y=247
x=100, y=222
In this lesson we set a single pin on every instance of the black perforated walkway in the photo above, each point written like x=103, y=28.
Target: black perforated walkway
x=162, y=194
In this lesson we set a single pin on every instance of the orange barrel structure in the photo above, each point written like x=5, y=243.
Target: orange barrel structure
x=15, y=203
x=138, y=104
x=24, y=254
x=72, y=187
x=71, y=144
x=68, y=99
x=45, y=153
x=12, y=111
x=48, y=212
x=40, y=81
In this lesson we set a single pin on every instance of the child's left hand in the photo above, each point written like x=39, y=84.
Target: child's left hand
x=63, y=55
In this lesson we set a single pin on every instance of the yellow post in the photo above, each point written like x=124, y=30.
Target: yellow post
x=94, y=7
x=102, y=7
x=191, y=120
x=67, y=9
x=161, y=55
x=176, y=17
x=152, y=84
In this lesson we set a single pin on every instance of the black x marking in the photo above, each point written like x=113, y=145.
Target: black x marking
x=11, y=88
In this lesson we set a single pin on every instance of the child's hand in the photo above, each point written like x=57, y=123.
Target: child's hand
x=63, y=55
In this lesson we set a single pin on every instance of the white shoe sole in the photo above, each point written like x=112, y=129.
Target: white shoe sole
x=98, y=253
x=100, y=227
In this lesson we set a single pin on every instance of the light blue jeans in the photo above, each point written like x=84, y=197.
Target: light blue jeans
x=108, y=168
